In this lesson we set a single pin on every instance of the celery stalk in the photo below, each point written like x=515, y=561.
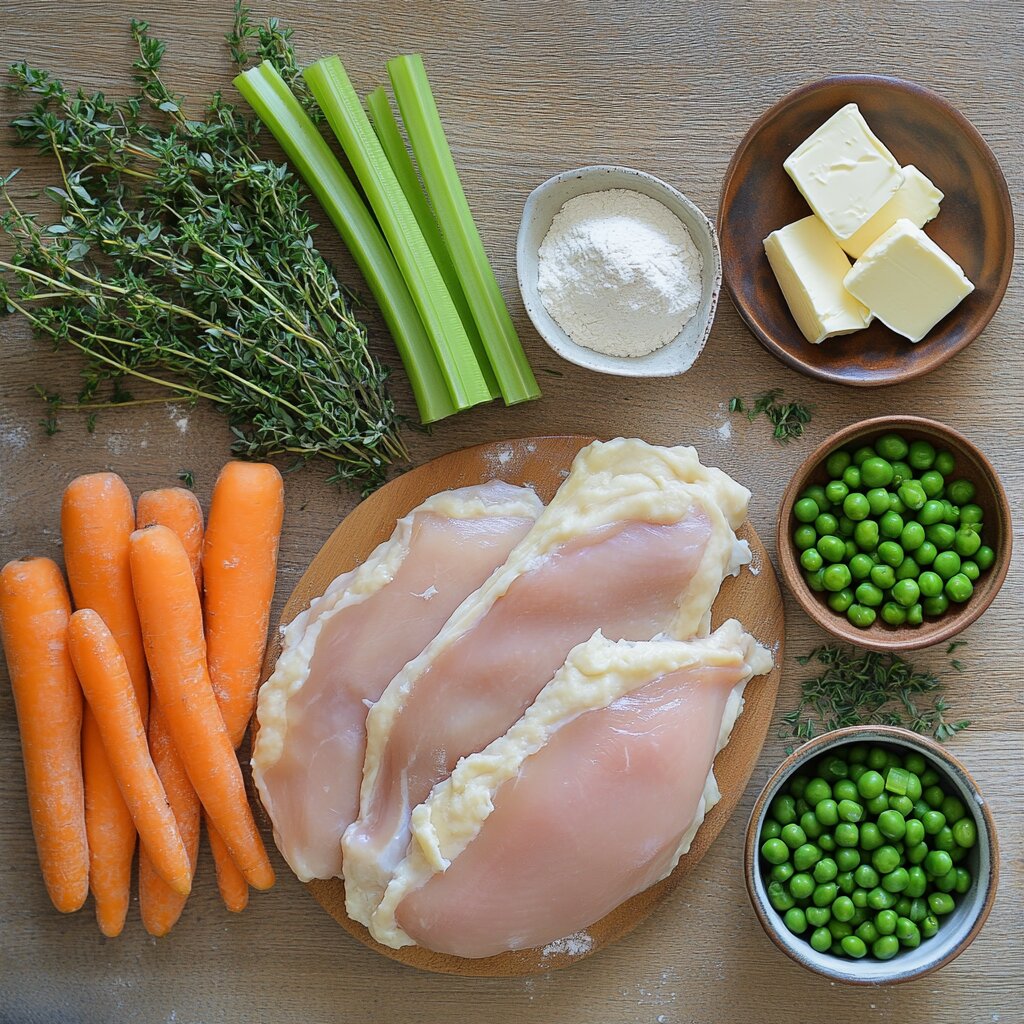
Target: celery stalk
x=268, y=94
x=441, y=180
x=331, y=88
x=386, y=127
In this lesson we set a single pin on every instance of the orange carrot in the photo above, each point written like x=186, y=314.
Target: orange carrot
x=159, y=905
x=172, y=628
x=239, y=565
x=103, y=673
x=96, y=521
x=34, y=612
x=234, y=890
x=178, y=509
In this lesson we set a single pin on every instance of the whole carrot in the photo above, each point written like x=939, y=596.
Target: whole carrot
x=108, y=689
x=239, y=566
x=234, y=889
x=179, y=510
x=159, y=905
x=172, y=629
x=96, y=521
x=34, y=612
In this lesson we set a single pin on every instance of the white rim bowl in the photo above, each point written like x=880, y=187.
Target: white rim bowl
x=538, y=212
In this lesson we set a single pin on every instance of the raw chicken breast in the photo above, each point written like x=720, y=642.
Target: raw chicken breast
x=636, y=542
x=341, y=653
x=591, y=797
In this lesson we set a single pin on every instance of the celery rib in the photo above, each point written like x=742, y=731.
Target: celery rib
x=441, y=180
x=384, y=124
x=275, y=105
x=333, y=90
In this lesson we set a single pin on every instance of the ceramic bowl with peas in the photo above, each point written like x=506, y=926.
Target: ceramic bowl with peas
x=895, y=533
x=871, y=856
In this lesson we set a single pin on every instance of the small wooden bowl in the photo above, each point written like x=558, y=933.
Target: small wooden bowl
x=974, y=224
x=971, y=465
x=957, y=931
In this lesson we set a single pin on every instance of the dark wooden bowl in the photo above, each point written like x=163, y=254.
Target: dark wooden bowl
x=958, y=930
x=971, y=465
x=974, y=225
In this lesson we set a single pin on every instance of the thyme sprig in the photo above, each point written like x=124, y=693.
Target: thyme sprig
x=183, y=260
x=789, y=419
x=867, y=688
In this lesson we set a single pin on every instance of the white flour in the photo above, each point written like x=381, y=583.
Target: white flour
x=619, y=272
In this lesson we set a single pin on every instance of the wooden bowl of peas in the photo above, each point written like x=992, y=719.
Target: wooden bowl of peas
x=871, y=857
x=895, y=533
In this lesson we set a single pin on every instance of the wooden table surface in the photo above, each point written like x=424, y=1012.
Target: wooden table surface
x=528, y=89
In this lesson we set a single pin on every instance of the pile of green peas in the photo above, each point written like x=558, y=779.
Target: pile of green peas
x=862, y=852
x=888, y=537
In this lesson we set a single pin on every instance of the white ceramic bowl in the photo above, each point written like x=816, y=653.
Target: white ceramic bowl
x=957, y=930
x=546, y=200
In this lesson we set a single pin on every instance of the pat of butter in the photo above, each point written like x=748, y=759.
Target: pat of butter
x=917, y=200
x=907, y=281
x=810, y=268
x=844, y=172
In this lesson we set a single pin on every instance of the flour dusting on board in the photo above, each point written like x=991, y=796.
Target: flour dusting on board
x=572, y=945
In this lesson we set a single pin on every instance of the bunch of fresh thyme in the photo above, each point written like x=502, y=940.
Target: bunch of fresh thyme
x=866, y=688
x=788, y=418
x=183, y=259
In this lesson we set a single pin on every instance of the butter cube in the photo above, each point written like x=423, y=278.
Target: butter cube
x=907, y=281
x=844, y=172
x=917, y=200
x=810, y=268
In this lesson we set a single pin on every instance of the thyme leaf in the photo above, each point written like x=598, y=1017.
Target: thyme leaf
x=788, y=419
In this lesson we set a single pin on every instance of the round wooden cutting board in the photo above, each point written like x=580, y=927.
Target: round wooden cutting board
x=542, y=463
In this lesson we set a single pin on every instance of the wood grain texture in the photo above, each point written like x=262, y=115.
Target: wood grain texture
x=541, y=463
x=526, y=90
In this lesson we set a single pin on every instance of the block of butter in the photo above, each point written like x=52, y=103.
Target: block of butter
x=917, y=200
x=810, y=268
x=907, y=281
x=844, y=172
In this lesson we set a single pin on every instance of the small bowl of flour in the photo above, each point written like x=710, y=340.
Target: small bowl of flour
x=619, y=272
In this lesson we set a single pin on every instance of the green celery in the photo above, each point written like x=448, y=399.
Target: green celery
x=390, y=136
x=268, y=94
x=441, y=180
x=333, y=90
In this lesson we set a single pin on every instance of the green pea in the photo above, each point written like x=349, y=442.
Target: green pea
x=883, y=576
x=877, y=804
x=817, y=494
x=941, y=535
x=806, y=510
x=912, y=494
x=782, y=872
x=966, y=543
x=861, y=616
x=892, y=825
x=835, y=491
x=825, y=870
x=902, y=907
x=818, y=916
x=938, y=863
x=801, y=885
x=918, y=909
x=897, y=506
x=944, y=463
x=775, y=851
x=837, y=577
x=845, y=882
x=860, y=898
x=953, y=808
x=941, y=903
x=929, y=926
x=885, y=859
x=831, y=548
x=861, y=566
x=844, y=788
x=965, y=833
x=913, y=787
x=930, y=512
x=893, y=614
x=907, y=932
x=856, y=506
x=779, y=897
x=903, y=804
x=908, y=569
x=947, y=883
x=826, y=842
x=870, y=837
x=906, y=592
x=851, y=549
x=866, y=876
x=847, y=859
x=930, y=584
x=878, y=500
x=885, y=947
x=837, y=462
x=806, y=856
x=885, y=921
x=876, y=472
x=827, y=812
x=825, y=894
x=854, y=946
x=870, y=784
x=868, y=594
x=811, y=560
x=914, y=832
x=837, y=769
x=793, y=835
x=892, y=446
x=795, y=920
x=921, y=455
x=950, y=513
x=851, y=477
x=862, y=454
x=970, y=569
x=963, y=880
x=847, y=834
x=901, y=472
x=912, y=536
x=810, y=824
x=917, y=882
x=961, y=492
x=850, y=810
x=935, y=605
x=959, y=588
x=985, y=557
x=783, y=809
x=890, y=553
x=771, y=829
x=926, y=553
x=821, y=940
x=929, y=777
x=814, y=580
x=867, y=932
x=826, y=523
x=878, y=759
x=933, y=821
x=971, y=514
x=843, y=908
x=896, y=880
x=845, y=527
x=947, y=564
x=916, y=854
x=932, y=482
x=865, y=535
x=817, y=790
x=891, y=525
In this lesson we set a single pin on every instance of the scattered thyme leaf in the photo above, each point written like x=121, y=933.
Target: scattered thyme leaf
x=788, y=419
x=956, y=645
x=735, y=405
x=186, y=477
